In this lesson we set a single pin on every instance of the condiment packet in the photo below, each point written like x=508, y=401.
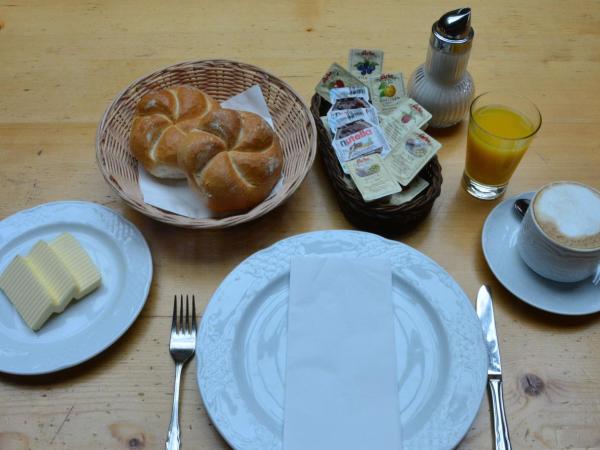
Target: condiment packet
x=408, y=115
x=416, y=186
x=410, y=152
x=335, y=77
x=365, y=64
x=337, y=119
x=326, y=125
x=387, y=92
x=366, y=139
x=372, y=178
x=349, y=92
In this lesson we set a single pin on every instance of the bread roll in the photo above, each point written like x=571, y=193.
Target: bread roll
x=239, y=169
x=232, y=159
x=161, y=124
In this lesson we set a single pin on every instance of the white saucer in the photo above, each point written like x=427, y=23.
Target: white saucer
x=499, y=240
x=88, y=326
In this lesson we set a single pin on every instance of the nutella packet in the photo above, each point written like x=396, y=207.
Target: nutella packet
x=387, y=92
x=349, y=92
x=416, y=186
x=408, y=115
x=339, y=118
x=365, y=64
x=357, y=139
x=410, y=152
x=335, y=77
x=372, y=178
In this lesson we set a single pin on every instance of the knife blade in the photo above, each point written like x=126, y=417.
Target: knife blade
x=485, y=312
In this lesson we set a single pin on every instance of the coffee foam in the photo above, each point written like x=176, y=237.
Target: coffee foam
x=569, y=214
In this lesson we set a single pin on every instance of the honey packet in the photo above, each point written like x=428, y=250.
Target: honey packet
x=387, y=92
x=365, y=64
x=410, y=152
x=335, y=77
x=372, y=178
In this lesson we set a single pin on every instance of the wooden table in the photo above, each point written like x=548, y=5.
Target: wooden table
x=63, y=61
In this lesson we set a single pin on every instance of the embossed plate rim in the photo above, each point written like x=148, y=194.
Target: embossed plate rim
x=213, y=349
x=108, y=329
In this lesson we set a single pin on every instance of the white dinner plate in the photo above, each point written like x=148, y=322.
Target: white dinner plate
x=499, y=240
x=242, y=340
x=87, y=326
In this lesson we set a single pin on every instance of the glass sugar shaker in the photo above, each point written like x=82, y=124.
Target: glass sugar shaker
x=443, y=85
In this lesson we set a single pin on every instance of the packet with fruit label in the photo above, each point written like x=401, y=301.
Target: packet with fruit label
x=410, y=152
x=365, y=64
x=372, y=178
x=335, y=77
x=387, y=92
x=408, y=114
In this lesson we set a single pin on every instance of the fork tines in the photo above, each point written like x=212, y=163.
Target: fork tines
x=184, y=326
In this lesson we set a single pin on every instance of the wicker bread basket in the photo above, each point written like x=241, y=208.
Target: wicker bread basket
x=378, y=216
x=222, y=79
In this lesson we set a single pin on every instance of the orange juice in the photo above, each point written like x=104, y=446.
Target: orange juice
x=498, y=138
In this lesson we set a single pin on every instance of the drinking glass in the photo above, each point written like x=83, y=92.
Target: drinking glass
x=501, y=127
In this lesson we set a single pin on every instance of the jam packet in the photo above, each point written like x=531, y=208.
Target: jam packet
x=416, y=186
x=335, y=77
x=357, y=139
x=387, y=92
x=410, y=152
x=408, y=115
x=372, y=178
x=365, y=64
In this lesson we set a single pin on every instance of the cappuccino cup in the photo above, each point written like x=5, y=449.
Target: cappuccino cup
x=560, y=232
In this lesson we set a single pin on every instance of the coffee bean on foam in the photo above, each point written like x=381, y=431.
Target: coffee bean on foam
x=569, y=213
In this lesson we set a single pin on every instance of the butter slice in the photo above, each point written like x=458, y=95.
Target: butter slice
x=27, y=293
x=78, y=263
x=54, y=274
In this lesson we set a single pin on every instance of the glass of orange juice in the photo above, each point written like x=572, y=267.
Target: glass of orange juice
x=501, y=127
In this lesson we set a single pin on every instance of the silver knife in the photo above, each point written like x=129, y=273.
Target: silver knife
x=485, y=312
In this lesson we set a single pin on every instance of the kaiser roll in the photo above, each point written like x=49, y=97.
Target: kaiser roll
x=232, y=159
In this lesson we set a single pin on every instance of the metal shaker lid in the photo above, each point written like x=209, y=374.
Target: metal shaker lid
x=453, y=33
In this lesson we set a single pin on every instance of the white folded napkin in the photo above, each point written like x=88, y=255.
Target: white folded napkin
x=341, y=387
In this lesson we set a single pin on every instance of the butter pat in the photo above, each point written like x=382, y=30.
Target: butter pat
x=27, y=292
x=48, y=279
x=78, y=263
x=53, y=274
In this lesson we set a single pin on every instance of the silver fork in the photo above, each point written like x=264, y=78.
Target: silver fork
x=182, y=347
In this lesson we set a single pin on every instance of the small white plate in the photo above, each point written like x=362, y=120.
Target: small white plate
x=87, y=326
x=241, y=346
x=499, y=240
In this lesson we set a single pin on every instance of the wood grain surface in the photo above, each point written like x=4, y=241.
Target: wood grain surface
x=61, y=63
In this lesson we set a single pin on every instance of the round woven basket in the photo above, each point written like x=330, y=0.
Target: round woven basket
x=378, y=216
x=222, y=79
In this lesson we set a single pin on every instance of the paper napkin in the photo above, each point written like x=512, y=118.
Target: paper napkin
x=341, y=384
x=175, y=195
